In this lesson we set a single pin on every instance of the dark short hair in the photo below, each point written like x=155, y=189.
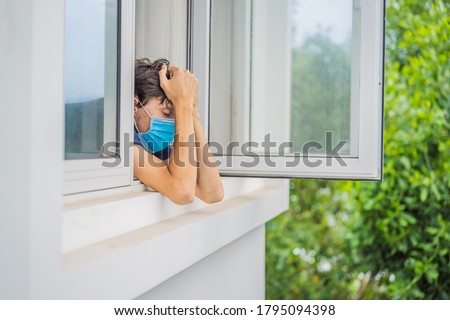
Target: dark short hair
x=146, y=79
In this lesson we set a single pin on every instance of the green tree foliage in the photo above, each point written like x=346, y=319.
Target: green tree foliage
x=306, y=253
x=388, y=239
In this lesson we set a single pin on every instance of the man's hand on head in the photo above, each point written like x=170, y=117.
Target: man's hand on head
x=181, y=89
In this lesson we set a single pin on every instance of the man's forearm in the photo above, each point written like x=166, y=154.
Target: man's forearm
x=183, y=160
x=209, y=183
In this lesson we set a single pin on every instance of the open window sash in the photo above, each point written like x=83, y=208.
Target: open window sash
x=252, y=48
x=106, y=164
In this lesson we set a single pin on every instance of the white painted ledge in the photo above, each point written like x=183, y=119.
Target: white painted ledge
x=129, y=264
x=96, y=216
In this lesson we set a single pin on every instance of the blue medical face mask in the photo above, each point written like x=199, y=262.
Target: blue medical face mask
x=160, y=135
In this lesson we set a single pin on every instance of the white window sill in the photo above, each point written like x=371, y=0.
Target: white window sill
x=96, y=216
x=143, y=257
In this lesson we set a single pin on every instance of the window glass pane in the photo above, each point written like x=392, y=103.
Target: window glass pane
x=161, y=30
x=90, y=76
x=291, y=80
x=302, y=76
x=321, y=72
x=230, y=73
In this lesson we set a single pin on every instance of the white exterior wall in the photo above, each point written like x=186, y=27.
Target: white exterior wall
x=234, y=272
x=31, y=133
x=53, y=247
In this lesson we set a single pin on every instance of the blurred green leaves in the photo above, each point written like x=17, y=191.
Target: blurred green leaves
x=351, y=240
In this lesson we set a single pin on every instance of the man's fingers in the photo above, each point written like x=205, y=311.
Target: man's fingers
x=174, y=71
x=163, y=75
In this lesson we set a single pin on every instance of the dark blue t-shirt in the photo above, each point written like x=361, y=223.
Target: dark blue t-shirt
x=163, y=154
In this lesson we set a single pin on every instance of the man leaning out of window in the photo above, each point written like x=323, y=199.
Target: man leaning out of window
x=171, y=152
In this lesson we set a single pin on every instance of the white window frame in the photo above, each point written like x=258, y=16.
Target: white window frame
x=91, y=174
x=368, y=134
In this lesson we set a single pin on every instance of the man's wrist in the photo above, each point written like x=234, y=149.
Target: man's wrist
x=196, y=114
x=183, y=106
x=184, y=111
x=183, y=103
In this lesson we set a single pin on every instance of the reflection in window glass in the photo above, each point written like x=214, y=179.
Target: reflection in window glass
x=90, y=76
x=230, y=73
x=321, y=72
x=164, y=35
x=293, y=79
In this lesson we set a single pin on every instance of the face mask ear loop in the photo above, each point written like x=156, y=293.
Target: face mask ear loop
x=145, y=109
x=135, y=124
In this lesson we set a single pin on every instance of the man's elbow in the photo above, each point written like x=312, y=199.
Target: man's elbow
x=182, y=197
x=213, y=197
